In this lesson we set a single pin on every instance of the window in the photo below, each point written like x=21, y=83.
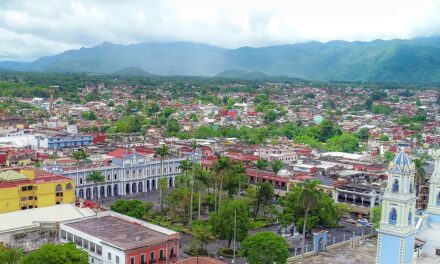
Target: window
x=58, y=188
x=109, y=256
x=30, y=198
x=23, y=189
x=161, y=254
x=85, y=244
x=80, y=181
x=23, y=199
x=92, y=247
x=98, y=250
x=23, y=207
x=69, y=237
x=69, y=186
x=393, y=216
x=396, y=186
x=116, y=176
x=143, y=259
x=63, y=234
x=78, y=241
x=172, y=251
x=410, y=218
x=152, y=255
x=131, y=260
x=437, y=251
x=117, y=259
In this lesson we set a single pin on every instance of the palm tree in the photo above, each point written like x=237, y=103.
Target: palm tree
x=185, y=166
x=194, y=146
x=201, y=180
x=220, y=167
x=96, y=178
x=276, y=166
x=261, y=164
x=80, y=155
x=308, y=199
x=11, y=255
x=163, y=151
x=163, y=183
x=420, y=171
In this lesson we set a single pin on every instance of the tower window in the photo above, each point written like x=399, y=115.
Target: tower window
x=393, y=217
x=410, y=218
x=438, y=199
x=396, y=186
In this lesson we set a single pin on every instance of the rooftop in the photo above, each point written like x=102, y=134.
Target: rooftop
x=123, y=233
x=17, y=179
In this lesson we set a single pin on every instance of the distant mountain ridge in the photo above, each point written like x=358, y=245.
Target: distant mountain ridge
x=411, y=61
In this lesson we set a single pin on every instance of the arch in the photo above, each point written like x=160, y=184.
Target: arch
x=69, y=186
x=81, y=193
x=140, y=187
x=102, y=191
x=58, y=188
x=395, y=187
x=321, y=190
x=88, y=194
x=115, y=190
x=127, y=188
x=153, y=184
x=148, y=185
x=170, y=182
x=95, y=193
x=109, y=190
x=133, y=187
x=392, y=219
x=410, y=217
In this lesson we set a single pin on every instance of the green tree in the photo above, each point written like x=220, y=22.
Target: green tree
x=89, y=115
x=134, y=208
x=56, y=254
x=276, y=166
x=265, y=248
x=375, y=216
x=220, y=167
x=203, y=233
x=223, y=222
x=264, y=194
x=388, y=156
x=173, y=127
x=345, y=142
x=96, y=178
x=163, y=151
x=419, y=165
x=79, y=155
x=261, y=164
x=384, y=138
x=270, y=116
x=363, y=134
x=10, y=255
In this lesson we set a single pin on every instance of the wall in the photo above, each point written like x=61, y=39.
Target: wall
x=9, y=201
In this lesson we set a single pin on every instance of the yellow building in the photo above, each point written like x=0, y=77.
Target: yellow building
x=30, y=188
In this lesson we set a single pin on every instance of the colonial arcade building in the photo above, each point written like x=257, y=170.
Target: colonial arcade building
x=127, y=173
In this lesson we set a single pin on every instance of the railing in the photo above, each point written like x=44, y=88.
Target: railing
x=332, y=243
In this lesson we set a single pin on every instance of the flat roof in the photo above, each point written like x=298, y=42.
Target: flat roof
x=119, y=232
x=29, y=218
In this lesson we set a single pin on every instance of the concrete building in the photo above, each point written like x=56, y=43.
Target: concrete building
x=62, y=141
x=29, y=188
x=126, y=173
x=30, y=229
x=112, y=238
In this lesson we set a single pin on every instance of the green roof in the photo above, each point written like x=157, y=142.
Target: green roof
x=12, y=175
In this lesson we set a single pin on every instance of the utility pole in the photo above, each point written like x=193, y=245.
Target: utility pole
x=235, y=235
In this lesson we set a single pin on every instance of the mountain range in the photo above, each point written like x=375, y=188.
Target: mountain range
x=410, y=61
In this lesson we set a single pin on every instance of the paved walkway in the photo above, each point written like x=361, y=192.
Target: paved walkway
x=365, y=254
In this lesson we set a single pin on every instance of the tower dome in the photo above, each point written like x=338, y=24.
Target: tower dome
x=402, y=163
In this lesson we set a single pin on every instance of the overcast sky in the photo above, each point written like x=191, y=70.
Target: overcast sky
x=34, y=28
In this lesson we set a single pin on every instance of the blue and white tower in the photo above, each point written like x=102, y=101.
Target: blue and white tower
x=434, y=191
x=395, y=243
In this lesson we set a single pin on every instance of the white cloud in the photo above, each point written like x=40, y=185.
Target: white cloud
x=29, y=29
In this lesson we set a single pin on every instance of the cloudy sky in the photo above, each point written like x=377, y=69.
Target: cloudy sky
x=34, y=28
